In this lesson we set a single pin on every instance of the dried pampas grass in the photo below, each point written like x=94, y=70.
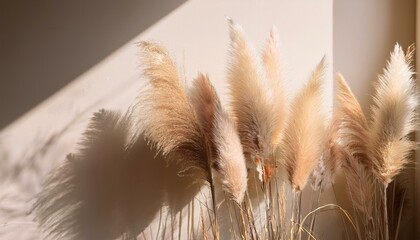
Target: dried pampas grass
x=94, y=194
x=393, y=117
x=354, y=137
x=354, y=132
x=167, y=117
x=230, y=161
x=273, y=69
x=375, y=153
x=206, y=103
x=302, y=140
x=227, y=156
x=169, y=121
x=304, y=132
x=250, y=107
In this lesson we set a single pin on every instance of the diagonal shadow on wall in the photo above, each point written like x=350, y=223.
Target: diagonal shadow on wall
x=46, y=44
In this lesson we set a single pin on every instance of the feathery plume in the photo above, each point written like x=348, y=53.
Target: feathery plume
x=393, y=117
x=251, y=110
x=206, y=103
x=169, y=121
x=354, y=135
x=354, y=131
x=271, y=62
x=230, y=162
x=227, y=156
x=304, y=131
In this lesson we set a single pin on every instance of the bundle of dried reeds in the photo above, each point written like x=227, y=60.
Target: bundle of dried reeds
x=258, y=137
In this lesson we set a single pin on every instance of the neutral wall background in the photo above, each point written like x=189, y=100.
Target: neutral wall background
x=47, y=44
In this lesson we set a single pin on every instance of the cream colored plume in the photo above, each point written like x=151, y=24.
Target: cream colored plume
x=354, y=132
x=273, y=69
x=227, y=155
x=166, y=115
x=393, y=117
x=304, y=132
x=356, y=156
x=206, y=103
x=250, y=107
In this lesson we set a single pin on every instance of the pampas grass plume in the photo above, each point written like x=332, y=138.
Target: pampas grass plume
x=354, y=137
x=393, y=117
x=249, y=105
x=304, y=131
x=228, y=158
x=273, y=69
x=167, y=117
